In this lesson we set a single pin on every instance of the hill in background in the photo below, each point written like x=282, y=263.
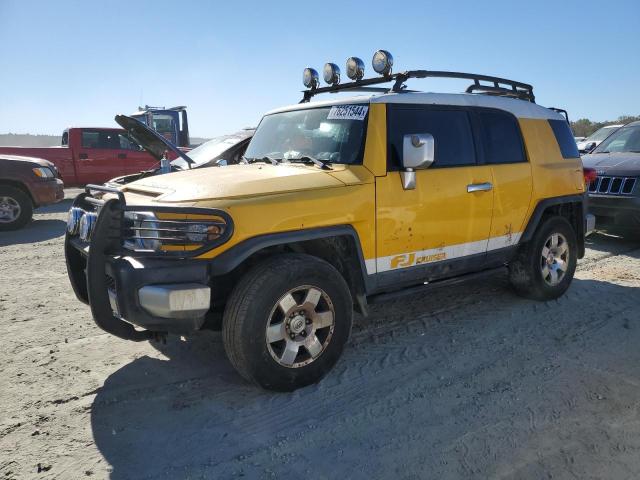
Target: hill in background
x=28, y=140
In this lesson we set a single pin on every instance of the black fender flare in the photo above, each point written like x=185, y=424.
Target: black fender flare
x=234, y=256
x=542, y=206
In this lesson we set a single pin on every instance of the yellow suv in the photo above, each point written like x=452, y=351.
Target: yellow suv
x=337, y=204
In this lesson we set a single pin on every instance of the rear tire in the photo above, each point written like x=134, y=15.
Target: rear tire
x=544, y=266
x=16, y=209
x=287, y=321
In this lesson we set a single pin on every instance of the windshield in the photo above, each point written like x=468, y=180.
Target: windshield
x=212, y=149
x=627, y=139
x=332, y=134
x=600, y=134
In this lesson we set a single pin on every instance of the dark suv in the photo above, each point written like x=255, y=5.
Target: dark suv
x=614, y=194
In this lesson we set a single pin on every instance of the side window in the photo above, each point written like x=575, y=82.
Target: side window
x=90, y=139
x=127, y=143
x=501, y=138
x=565, y=139
x=109, y=140
x=451, y=130
x=65, y=138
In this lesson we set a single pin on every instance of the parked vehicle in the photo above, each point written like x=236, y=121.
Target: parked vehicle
x=614, y=192
x=25, y=184
x=91, y=155
x=171, y=123
x=223, y=150
x=336, y=205
x=593, y=140
x=579, y=139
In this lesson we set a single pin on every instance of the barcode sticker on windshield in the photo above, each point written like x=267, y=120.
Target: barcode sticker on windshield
x=348, y=112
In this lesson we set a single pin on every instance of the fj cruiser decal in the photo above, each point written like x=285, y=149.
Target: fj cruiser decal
x=401, y=261
x=348, y=112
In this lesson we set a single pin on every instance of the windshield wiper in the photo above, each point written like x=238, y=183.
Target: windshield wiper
x=323, y=164
x=266, y=159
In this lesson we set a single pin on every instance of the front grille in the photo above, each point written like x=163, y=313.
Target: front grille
x=613, y=185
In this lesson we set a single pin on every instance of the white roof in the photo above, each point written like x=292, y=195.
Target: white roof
x=520, y=108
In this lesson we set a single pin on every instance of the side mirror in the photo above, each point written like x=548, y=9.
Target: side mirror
x=221, y=162
x=418, y=151
x=588, y=147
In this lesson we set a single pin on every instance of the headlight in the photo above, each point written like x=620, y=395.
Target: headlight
x=43, y=172
x=169, y=231
x=331, y=74
x=382, y=62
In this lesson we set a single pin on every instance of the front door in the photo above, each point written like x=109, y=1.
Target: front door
x=440, y=228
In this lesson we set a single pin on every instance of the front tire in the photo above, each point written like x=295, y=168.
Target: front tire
x=287, y=321
x=544, y=266
x=16, y=209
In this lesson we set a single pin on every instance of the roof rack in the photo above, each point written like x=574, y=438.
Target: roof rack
x=497, y=86
x=562, y=112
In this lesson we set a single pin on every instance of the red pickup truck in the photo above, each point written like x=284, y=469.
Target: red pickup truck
x=91, y=155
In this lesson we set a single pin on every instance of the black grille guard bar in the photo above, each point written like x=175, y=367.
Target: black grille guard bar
x=228, y=231
x=89, y=281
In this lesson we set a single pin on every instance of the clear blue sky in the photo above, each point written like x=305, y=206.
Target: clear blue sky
x=79, y=63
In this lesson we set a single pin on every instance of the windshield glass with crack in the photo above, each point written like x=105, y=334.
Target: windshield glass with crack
x=329, y=134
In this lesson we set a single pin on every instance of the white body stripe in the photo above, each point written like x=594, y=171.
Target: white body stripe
x=434, y=255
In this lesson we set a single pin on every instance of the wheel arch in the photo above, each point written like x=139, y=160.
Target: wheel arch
x=20, y=186
x=338, y=245
x=571, y=207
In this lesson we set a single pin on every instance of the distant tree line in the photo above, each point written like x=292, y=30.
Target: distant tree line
x=585, y=127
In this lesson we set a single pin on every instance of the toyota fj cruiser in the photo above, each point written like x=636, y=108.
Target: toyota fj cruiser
x=337, y=204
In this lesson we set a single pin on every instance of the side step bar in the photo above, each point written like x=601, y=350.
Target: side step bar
x=419, y=289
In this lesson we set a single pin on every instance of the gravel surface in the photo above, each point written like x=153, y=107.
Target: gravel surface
x=465, y=382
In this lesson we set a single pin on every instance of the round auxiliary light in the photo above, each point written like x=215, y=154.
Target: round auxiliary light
x=355, y=68
x=331, y=73
x=73, y=220
x=310, y=78
x=87, y=224
x=382, y=62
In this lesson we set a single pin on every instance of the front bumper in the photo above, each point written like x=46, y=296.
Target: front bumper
x=126, y=291
x=47, y=192
x=620, y=211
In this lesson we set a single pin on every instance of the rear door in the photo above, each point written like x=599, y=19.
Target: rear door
x=440, y=228
x=502, y=150
x=132, y=157
x=97, y=159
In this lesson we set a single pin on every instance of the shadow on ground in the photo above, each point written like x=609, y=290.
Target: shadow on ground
x=192, y=415
x=36, y=231
x=60, y=207
x=615, y=243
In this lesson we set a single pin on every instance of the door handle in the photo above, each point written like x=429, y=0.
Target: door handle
x=479, y=187
x=83, y=156
x=122, y=155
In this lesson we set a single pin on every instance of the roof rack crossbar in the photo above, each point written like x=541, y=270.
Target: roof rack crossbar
x=511, y=88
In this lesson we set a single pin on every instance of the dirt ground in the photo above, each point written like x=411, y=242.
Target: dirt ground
x=467, y=382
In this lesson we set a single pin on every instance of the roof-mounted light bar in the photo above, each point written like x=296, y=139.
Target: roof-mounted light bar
x=382, y=63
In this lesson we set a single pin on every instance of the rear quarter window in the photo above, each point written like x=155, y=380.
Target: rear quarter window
x=501, y=138
x=565, y=139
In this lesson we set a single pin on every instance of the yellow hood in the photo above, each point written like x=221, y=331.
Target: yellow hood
x=234, y=181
